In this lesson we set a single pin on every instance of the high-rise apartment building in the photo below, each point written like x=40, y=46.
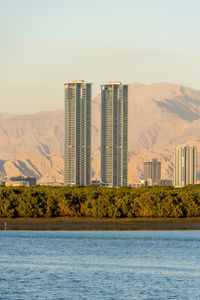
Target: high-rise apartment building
x=185, y=159
x=114, y=134
x=152, y=171
x=77, y=160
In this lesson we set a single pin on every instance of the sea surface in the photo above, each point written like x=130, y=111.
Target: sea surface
x=99, y=265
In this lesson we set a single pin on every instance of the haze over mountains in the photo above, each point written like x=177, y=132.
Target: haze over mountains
x=161, y=116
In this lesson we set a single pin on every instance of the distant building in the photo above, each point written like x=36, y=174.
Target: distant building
x=152, y=172
x=142, y=183
x=96, y=182
x=114, y=134
x=185, y=161
x=165, y=182
x=150, y=182
x=77, y=151
x=20, y=181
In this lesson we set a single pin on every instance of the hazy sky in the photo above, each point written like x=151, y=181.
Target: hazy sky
x=45, y=43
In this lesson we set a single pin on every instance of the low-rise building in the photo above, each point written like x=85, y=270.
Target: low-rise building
x=96, y=182
x=165, y=182
x=20, y=181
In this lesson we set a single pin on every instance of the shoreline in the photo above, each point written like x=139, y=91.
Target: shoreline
x=81, y=223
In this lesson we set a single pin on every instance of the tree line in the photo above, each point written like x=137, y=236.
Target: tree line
x=95, y=201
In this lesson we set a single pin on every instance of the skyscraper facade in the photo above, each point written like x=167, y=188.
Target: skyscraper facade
x=185, y=160
x=152, y=171
x=114, y=134
x=77, y=152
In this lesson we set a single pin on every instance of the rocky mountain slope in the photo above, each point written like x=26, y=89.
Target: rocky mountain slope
x=161, y=116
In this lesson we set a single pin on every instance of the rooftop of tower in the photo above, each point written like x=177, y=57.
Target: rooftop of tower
x=73, y=82
x=78, y=81
x=115, y=82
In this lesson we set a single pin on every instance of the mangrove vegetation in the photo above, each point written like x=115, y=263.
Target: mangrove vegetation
x=95, y=201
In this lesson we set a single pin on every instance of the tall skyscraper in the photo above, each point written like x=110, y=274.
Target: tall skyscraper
x=185, y=160
x=77, y=168
x=152, y=171
x=114, y=134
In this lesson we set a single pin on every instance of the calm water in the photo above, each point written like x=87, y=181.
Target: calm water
x=99, y=265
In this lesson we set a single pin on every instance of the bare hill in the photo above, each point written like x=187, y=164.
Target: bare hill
x=161, y=116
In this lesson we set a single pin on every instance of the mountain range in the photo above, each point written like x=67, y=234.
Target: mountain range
x=160, y=117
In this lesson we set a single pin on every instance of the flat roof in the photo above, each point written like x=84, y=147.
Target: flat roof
x=114, y=83
x=77, y=81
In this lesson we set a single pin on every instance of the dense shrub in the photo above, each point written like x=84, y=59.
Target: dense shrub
x=94, y=201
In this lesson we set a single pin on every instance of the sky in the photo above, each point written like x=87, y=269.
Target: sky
x=45, y=43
